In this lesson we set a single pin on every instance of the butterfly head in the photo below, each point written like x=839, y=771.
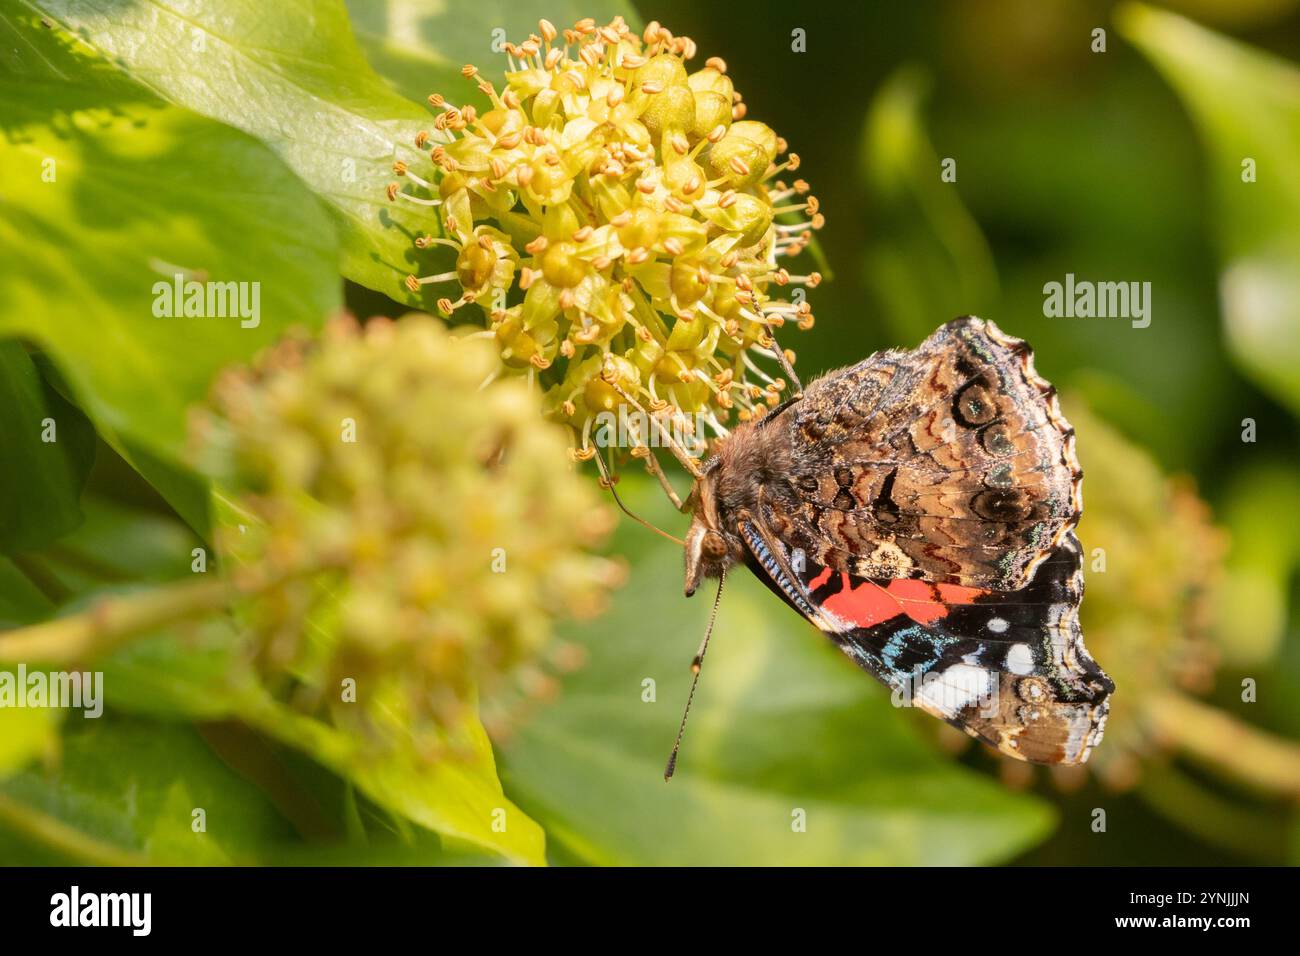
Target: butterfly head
x=710, y=548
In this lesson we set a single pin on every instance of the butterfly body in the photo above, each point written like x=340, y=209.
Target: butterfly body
x=919, y=508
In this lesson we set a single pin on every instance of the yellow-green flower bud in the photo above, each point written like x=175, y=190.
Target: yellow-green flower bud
x=689, y=281
x=673, y=109
x=602, y=391
x=713, y=95
x=641, y=230
x=744, y=154
x=685, y=180
x=561, y=267
x=474, y=265
x=664, y=69
x=661, y=92
x=747, y=216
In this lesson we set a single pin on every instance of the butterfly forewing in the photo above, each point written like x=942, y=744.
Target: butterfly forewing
x=950, y=463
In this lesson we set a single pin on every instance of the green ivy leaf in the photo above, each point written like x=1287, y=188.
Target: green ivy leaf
x=782, y=722
x=118, y=544
x=292, y=75
x=25, y=733
x=461, y=798
x=125, y=791
x=1255, y=177
x=419, y=46
x=108, y=194
x=21, y=600
x=199, y=674
x=49, y=448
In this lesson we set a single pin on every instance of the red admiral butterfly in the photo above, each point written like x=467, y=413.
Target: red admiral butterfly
x=919, y=508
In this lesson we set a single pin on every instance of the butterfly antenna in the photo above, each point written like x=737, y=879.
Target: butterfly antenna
x=609, y=483
x=696, y=665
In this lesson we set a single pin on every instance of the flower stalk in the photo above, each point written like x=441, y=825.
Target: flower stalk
x=112, y=621
x=1208, y=735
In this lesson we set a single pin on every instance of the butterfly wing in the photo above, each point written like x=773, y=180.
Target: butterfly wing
x=925, y=523
x=1008, y=667
x=949, y=463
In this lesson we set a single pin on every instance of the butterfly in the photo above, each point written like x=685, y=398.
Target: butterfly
x=919, y=509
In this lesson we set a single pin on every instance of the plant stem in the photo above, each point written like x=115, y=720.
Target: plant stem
x=54, y=590
x=1250, y=755
x=112, y=620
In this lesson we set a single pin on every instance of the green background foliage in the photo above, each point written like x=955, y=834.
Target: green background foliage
x=255, y=141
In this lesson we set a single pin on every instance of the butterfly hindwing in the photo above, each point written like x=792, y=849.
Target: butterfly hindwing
x=1008, y=667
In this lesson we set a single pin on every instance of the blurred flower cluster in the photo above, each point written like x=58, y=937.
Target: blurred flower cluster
x=620, y=223
x=399, y=525
x=1153, y=564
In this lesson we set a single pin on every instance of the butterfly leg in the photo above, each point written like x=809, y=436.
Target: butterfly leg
x=652, y=465
x=607, y=480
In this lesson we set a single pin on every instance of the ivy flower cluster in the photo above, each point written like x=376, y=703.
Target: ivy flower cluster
x=396, y=524
x=622, y=225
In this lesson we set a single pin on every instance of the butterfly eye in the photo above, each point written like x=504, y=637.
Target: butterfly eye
x=713, y=545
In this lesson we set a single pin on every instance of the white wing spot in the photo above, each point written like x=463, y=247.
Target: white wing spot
x=957, y=687
x=998, y=624
x=1020, y=659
